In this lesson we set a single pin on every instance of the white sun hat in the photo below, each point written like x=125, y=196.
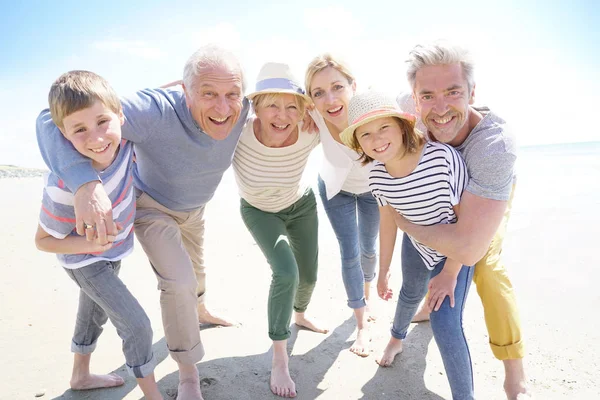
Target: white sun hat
x=277, y=78
x=368, y=106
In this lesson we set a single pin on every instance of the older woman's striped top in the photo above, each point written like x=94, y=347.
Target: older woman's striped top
x=269, y=178
x=427, y=195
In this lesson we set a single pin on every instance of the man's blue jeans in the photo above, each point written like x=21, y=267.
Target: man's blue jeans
x=355, y=221
x=446, y=323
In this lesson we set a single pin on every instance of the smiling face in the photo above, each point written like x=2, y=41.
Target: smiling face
x=381, y=139
x=331, y=92
x=95, y=132
x=442, y=97
x=279, y=115
x=215, y=100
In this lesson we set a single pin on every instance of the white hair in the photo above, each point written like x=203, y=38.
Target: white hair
x=210, y=56
x=440, y=53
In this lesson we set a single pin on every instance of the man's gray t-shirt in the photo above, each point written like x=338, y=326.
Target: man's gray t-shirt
x=490, y=154
x=489, y=151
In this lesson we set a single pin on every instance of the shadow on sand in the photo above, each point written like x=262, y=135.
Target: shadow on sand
x=251, y=373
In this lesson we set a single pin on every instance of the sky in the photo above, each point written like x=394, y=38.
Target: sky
x=537, y=62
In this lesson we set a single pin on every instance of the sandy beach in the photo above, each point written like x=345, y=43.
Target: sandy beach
x=547, y=252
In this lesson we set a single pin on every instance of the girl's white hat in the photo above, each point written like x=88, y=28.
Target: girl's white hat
x=368, y=106
x=277, y=78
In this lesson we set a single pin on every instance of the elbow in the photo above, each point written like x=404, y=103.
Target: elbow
x=471, y=254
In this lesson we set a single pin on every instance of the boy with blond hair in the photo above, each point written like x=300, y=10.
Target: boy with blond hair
x=89, y=115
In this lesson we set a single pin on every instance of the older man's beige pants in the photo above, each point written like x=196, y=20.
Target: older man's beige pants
x=173, y=242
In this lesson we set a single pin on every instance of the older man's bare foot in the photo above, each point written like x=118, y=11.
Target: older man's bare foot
x=361, y=346
x=206, y=317
x=91, y=381
x=309, y=323
x=422, y=315
x=515, y=382
x=281, y=381
x=393, y=348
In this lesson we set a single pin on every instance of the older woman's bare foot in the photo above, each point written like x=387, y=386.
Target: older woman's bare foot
x=393, y=348
x=189, y=383
x=206, y=317
x=91, y=381
x=361, y=346
x=281, y=381
x=309, y=323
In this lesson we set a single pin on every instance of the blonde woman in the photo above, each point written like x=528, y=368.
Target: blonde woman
x=278, y=209
x=344, y=188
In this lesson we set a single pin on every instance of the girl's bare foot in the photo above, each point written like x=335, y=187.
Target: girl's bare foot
x=361, y=347
x=92, y=381
x=281, y=381
x=393, y=348
x=206, y=317
x=309, y=323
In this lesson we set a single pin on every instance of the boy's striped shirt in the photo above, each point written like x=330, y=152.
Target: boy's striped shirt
x=427, y=195
x=57, y=216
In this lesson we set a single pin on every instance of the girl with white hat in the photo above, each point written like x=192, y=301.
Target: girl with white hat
x=344, y=188
x=279, y=209
x=423, y=181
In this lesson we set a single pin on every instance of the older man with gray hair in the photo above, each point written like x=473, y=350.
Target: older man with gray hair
x=184, y=141
x=441, y=76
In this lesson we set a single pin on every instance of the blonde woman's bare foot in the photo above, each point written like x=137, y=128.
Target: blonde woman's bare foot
x=361, y=346
x=312, y=324
x=206, y=317
x=189, y=389
x=422, y=315
x=91, y=381
x=393, y=348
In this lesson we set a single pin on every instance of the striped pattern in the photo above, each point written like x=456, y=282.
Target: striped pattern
x=57, y=216
x=269, y=178
x=427, y=195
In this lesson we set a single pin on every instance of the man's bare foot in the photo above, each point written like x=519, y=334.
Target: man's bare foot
x=281, y=381
x=309, y=323
x=189, y=389
x=361, y=347
x=393, y=348
x=206, y=317
x=515, y=382
x=422, y=315
x=91, y=381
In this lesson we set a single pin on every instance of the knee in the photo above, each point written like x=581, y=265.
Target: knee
x=411, y=295
x=180, y=286
x=287, y=279
x=142, y=331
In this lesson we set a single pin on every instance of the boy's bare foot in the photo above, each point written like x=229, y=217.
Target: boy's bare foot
x=360, y=347
x=91, y=381
x=422, y=315
x=309, y=323
x=206, y=317
x=281, y=381
x=515, y=382
x=393, y=348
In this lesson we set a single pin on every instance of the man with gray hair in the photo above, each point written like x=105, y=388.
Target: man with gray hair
x=184, y=141
x=443, y=89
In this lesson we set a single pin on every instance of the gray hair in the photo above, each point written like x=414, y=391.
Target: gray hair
x=210, y=56
x=440, y=53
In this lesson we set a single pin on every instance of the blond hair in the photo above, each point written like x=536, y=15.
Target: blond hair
x=321, y=62
x=75, y=90
x=412, y=139
x=266, y=99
